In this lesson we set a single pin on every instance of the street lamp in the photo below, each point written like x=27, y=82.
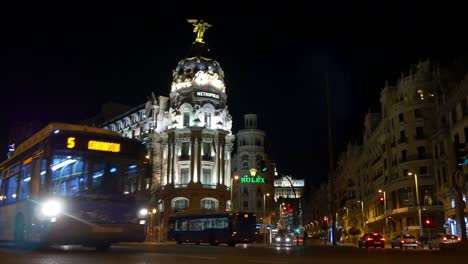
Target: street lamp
x=362, y=216
x=417, y=203
x=385, y=210
x=264, y=216
x=232, y=188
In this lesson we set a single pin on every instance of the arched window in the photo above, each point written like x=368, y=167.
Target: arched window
x=245, y=162
x=180, y=204
x=209, y=204
x=161, y=206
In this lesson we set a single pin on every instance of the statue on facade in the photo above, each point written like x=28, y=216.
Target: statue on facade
x=200, y=27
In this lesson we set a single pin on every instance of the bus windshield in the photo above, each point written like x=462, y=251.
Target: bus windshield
x=95, y=176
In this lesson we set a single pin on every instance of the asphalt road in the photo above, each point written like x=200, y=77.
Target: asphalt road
x=179, y=254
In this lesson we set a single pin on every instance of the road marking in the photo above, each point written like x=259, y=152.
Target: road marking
x=181, y=256
x=265, y=261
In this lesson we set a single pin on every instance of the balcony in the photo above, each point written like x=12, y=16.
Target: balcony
x=424, y=156
x=403, y=140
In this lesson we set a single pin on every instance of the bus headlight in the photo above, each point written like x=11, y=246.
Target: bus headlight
x=51, y=208
x=143, y=212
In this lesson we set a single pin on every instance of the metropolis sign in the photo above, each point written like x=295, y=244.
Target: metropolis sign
x=207, y=94
x=252, y=178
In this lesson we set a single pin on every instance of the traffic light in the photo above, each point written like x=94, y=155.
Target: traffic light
x=262, y=166
x=325, y=223
x=428, y=222
x=381, y=199
x=460, y=154
x=297, y=230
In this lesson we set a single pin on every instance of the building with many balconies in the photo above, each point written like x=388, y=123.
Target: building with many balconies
x=405, y=174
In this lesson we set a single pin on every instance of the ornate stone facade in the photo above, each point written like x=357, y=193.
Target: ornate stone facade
x=188, y=138
x=422, y=119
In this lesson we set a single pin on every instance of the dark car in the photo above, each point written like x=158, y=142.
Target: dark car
x=404, y=241
x=283, y=240
x=371, y=240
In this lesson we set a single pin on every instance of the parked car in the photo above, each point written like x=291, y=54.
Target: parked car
x=404, y=241
x=283, y=240
x=371, y=240
x=442, y=240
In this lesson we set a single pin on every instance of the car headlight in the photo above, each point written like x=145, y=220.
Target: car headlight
x=288, y=239
x=51, y=208
x=278, y=239
x=143, y=212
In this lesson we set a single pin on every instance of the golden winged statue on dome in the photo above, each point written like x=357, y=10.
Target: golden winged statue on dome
x=200, y=27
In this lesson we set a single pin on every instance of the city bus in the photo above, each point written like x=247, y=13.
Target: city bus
x=213, y=228
x=74, y=184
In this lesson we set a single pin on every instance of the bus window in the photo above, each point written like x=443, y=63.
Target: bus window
x=43, y=174
x=2, y=190
x=97, y=175
x=11, y=189
x=181, y=225
x=68, y=175
x=207, y=223
x=131, y=179
x=196, y=225
x=25, y=180
x=221, y=223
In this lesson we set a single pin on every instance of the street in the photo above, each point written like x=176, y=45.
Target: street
x=188, y=253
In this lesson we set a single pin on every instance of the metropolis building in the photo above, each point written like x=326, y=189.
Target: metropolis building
x=188, y=138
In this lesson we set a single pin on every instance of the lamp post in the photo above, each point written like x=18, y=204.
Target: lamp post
x=232, y=189
x=152, y=223
x=347, y=215
x=362, y=216
x=385, y=210
x=264, y=216
x=418, y=205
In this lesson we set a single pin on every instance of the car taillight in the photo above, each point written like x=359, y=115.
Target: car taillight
x=383, y=239
x=458, y=238
x=402, y=241
x=370, y=238
x=445, y=238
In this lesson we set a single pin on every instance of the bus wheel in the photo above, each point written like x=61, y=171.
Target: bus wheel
x=232, y=244
x=103, y=247
x=19, y=231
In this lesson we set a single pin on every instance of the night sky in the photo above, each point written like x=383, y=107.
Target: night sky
x=61, y=62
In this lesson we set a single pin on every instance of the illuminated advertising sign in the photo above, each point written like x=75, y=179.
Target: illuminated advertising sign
x=247, y=179
x=253, y=177
x=207, y=94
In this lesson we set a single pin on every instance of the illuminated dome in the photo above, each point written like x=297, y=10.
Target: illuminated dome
x=198, y=71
